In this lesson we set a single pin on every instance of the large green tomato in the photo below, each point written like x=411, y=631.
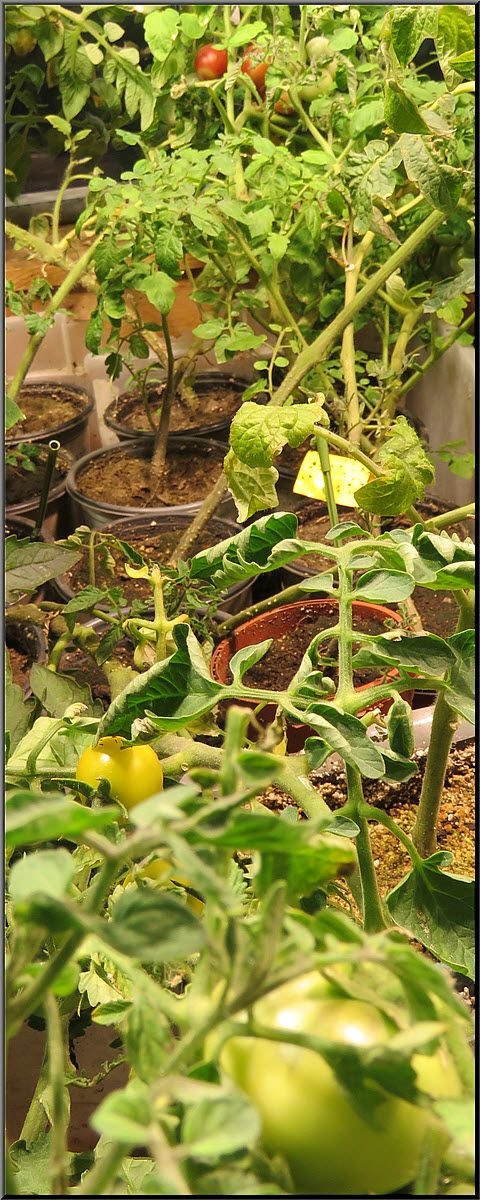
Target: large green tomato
x=133, y=772
x=306, y=1117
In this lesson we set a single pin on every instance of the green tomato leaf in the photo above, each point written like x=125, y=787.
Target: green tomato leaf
x=256, y=549
x=423, y=653
x=408, y=29
x=49, y=872
x=407, y=469
x=441, y=184
x=171, y=693
x=344, y=734
x=252, y=488
x=153, y=927
x=146, y=1039
x=383, y=586
x=159, y=289
x=259, y=433
x=246, y=658
x=160, y=28
x=42, y=817
x=18, y=712
x=214, y=1129
x=29, y=564
x=57, y=692
x=12, y=413
x=401, y=113
x=247, y=33
x=125, y=1115
x=439, y=910
x=455, y=36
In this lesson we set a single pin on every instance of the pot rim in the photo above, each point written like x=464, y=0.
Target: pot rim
x=167, y=518
x=131, y=448
x=58, y=430
x=204, y=377
x=24, y=506
x=297, y=605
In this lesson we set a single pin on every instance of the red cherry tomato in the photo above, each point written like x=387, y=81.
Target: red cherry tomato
x=284, y=105
x=256, y=66
x=210, y=63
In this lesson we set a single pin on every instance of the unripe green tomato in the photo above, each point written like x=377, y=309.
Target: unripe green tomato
x=133, y=772
x=317, y=48
x=306, y=1117
x=460, y=1189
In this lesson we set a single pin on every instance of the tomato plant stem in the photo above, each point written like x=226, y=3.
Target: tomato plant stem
x=73, y=277
x=374, y=913
x=444, y=723
x=59, y=1108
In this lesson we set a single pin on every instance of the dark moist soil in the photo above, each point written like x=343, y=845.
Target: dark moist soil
x=156, y=546
x=47, y=407
x=23, y=485
x=20, y=664
x=83, y=668
x=123, y=479
x=283, y=659
x=216, y=403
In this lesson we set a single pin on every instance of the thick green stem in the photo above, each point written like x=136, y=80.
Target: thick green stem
x=161, y=439
x=74, y=276
x=299, y=787
x=317, y=350
x=374, y=913
x=324, y=456
x=437, y=353
x=444, y=723
x=57, y=1039
x=444, y=520
x=347, y=355
x=36, y=1120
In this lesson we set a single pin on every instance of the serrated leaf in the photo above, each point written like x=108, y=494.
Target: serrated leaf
x=56, y=692
x=29, y=564
x=441, y=184
x=159, y=290
x=44, y=817
x=258, y=548
x=252, y=488
x=345, y=735
x=259, y=433
x=439, y=910
x=401, y=113
x=214, y=1129
x=47, y=871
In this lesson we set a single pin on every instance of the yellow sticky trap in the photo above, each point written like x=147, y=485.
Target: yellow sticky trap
x=347, y=477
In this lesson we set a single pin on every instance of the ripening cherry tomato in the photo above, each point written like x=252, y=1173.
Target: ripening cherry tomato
x=133, y=772
x=284, y=105
x=305, y=1115
x=255, y=65
x=162, y=869
x=210, y=63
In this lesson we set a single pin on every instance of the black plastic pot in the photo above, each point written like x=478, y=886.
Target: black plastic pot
x=235, y=599
x=72, y=434
x=27, y=638
x=203, y=383
x=96, y=514
x=57, y=522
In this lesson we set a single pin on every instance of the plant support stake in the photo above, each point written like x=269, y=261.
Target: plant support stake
x=53, y=448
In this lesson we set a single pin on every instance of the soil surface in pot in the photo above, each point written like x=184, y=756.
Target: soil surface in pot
x=438, y=611
x=217, y=402
x=456, y=825
x=283, y=659
x=154, y=545
x=22, y=649
x=123, y=479
x=23, y=485
x=48, y=406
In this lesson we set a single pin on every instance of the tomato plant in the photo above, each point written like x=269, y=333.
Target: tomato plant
x=306, y=1116
x=211, y=62
x=133, y=772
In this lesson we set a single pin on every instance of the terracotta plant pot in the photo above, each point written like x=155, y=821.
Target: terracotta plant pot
x=235, y=598
x=72, y=434
x=274, y=624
